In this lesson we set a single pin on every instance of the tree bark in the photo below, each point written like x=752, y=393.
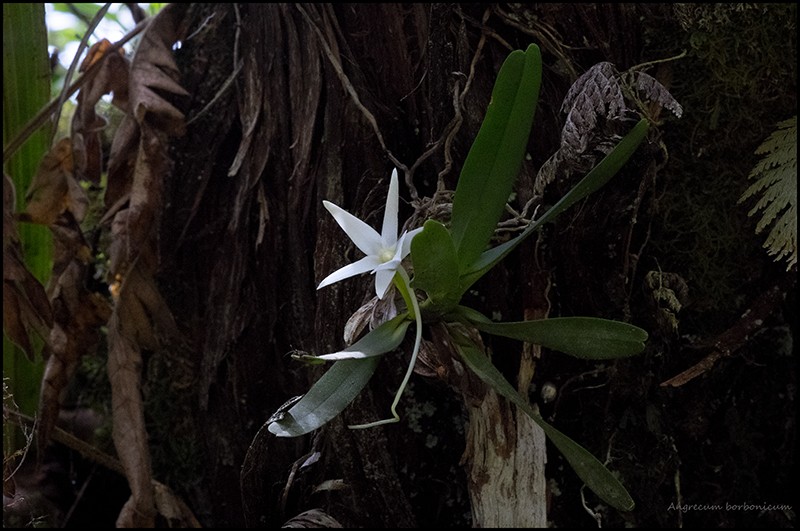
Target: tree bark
x=291, y=104
x=506, y=459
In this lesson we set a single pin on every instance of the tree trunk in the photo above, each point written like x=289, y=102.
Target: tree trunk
x=291, y=104
x=324, y=101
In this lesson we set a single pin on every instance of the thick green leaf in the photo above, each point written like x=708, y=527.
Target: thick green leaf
x=326, y=398
x=436, y=266
x=383, y=339
x=26, y=89
x=583, y=337
x=493, y=162
x=596, y=178
x=596, y=476
x=342, y=382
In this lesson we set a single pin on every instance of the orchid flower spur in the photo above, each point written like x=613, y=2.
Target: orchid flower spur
x=385, y=251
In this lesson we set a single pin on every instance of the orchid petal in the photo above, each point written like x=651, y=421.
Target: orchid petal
x=404, y=243
x=368, y=263
x=386, y=266
x=389, y=229
x=364, y=236
x=383, y=279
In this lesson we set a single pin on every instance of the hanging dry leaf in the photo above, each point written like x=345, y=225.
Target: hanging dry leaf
x=599, y=106
x=137, y=169
x=154, y=73
x=121, y=164
x=111, y=77
x=78, y=316
x=595, y=95
x=130, y=435
x=25, y=305
x=655, y=92
x=139, y=319
x=139, y=158
x=54, y=189
x=173, y=509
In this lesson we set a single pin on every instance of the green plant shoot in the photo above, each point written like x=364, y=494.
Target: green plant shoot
x=448, y=261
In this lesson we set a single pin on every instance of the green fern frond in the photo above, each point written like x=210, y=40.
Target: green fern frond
x=776, y=183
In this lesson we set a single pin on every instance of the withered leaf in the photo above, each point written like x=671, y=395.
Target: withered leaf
x=597, y=106
x=173, y=509
x=78, y=315
x=129, y=433
x=25, y=305
x=111, y=77
x=154, y=72
x=655, y=92
x=121, y=165
x=139, y=319
x=54, y=189
x=138, y=166
x=139, y=158
x=596, y=94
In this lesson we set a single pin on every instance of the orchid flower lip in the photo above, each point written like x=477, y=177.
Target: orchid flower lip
x=384, y=252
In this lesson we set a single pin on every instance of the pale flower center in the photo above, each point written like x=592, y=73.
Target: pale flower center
x=386, y=254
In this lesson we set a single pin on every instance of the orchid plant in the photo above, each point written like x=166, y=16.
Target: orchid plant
x=447, y=261
x=385, y=253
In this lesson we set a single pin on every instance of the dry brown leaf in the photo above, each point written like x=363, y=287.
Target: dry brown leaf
x=600, y=107
x=173, y=509
x=112, y=77
x=140, y=317
x=121, y=164
x=137, y=169
x=655, y=92
x=68, y=342
x=139, y=158
x=25, y=312
x=596, y=95
x=130, y=435
x=154, y=72
x=25, y=305
x=78, y=316
x=54, y=189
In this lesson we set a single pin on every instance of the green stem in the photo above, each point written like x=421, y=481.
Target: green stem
x=403, y=284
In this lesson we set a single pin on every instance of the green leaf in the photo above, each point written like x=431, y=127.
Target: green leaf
x=436, y=266
x=596, y=179
x=341, y=383
x=26, y=89
x=493, y=162
x=326, y=399
x=383, y=339
x=596, y=476
x=776, y=185
x=583, y=337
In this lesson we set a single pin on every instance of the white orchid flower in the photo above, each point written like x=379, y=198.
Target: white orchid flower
x=384, y=256
x=385, y=251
